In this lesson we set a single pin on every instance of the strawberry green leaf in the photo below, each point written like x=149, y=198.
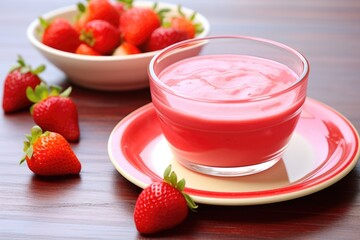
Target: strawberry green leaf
x=28, y=137
x=190, y=202
x=81, y=10
x=155, y=5
x=30, y=151
x=36, y=133
x=22, y=160
x=161, y=12
x=192, y=17
x=81, y=7
x=67, y=92
x=127, y=3
x=23, y=68
x=87, y=37
x=30, y=93
x=181, y=185
x=41, y=91
x=26, y=145
x=167, y=172
x=179, y=10
x=44, y=24
x=54, y=90
x=21, y=61
x=173, y=179
x=170, y=177
x=39, y=69
x=32, y=109
x=198, y=28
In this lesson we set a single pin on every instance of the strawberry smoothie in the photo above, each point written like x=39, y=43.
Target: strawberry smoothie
x=227, y=110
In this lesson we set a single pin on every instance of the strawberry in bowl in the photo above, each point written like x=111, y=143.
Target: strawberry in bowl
x=123, y=64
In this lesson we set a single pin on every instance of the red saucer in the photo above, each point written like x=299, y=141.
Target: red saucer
x=324, y=148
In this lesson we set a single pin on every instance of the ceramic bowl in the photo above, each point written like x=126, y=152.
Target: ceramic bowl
x=103, y=72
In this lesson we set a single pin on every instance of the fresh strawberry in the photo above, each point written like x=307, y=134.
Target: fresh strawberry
x=126, y=48
x=163, y=37
x=17, y=80
x=54, y=111
x=60, y=34
x=101, y=36
x=49, y=154
x=121, y=6
x=138, y=23
x=85, y=49
x=186, y=24
x=162, y=205
x=97, y=10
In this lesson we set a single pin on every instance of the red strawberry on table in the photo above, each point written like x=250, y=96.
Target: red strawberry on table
x=162, y=205
x=101, y=36
x=138, y=23
x=54, y=111
x=60, y=34
x=49, y=154
x=163, y=37
x=97, y=10
x=18, y=79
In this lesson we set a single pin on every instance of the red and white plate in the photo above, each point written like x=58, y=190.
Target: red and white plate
x=324, y=149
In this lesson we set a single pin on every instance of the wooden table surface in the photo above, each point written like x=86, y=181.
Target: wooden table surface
x=99, y=204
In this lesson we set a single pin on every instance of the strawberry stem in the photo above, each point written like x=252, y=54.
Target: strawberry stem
x=36, y=133
x=87, y=37
x=170, y=177
x=43, y=91
x=23, y=68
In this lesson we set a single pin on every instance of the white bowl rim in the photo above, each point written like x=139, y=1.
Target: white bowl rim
x=35, y=23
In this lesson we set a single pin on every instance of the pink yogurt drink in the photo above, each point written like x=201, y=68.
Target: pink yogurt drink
x=227, y=114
